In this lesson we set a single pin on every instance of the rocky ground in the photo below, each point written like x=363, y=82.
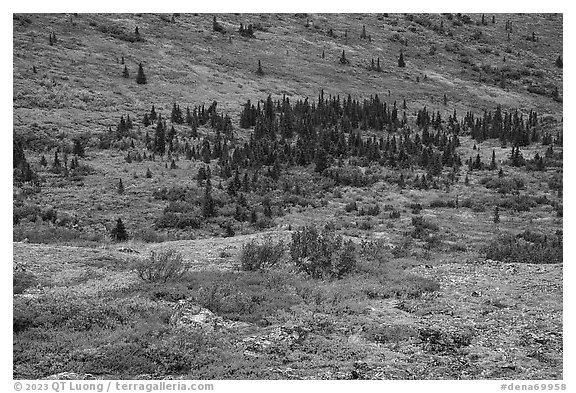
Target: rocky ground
x=489, y=320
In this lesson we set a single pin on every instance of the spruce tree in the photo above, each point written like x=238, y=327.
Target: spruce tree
x=141, y=78
x=34, y=69
x=148, y=174
x=120, y=187
x=208, y=206
x=119, y=232
x=125, y=73
x=260, y=71
x=160, y=138
x=43, y=161
x=559, y=63
x=56, y=165
x=493, y=162
x=343, y=59
x=78, y=148
x=496, y=215
x=401, y=62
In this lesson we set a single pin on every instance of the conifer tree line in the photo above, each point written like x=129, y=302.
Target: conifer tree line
x=324, y=133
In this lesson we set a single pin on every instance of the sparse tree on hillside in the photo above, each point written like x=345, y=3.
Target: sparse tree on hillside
x=141, y=78
x=78, y=148
x=119, y=231
x=260, y=71
x=343, y=59
x=559, y=63
x=496, y=215
x=401, y=62
x=493, y=162
x=125, y=73
x=160, y=138
x=217, y=26
x=120, y=187
x=208, y=205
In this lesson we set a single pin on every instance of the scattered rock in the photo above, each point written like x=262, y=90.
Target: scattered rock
x=128, y=250
x=285, y=335
x=70, y=376
x=191, y=315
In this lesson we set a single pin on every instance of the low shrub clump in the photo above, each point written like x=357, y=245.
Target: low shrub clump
x=263, y=256
x=161, y=266
x=422, y=227
x=22, y=280
x=526, y=247
x=322, y=254
x=503, y=185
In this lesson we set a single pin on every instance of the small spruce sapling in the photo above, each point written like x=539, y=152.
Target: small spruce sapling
x=141, y=78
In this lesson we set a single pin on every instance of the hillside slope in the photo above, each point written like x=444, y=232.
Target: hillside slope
x=79, y=87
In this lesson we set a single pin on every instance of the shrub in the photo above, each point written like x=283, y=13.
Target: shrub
x=442, y=203
x=416, y=208
x=366, y=225
x=520, y=203
x=503, y=185
x=263, y=256
x=322, y=254
x=161, y=266
x=178, y=220
x=21, y=280
x=422, y=227
x=351, y=206
x=402, y=249
x=372, y=210
x=527, y=247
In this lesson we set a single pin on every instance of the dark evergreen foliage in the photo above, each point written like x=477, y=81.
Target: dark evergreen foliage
x=401, y=62
x=119, y=231
x=141, y=78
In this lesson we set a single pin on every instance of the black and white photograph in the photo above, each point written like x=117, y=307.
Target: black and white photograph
x=287, y=196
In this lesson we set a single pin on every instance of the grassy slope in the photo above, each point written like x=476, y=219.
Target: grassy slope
x=188, y=63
